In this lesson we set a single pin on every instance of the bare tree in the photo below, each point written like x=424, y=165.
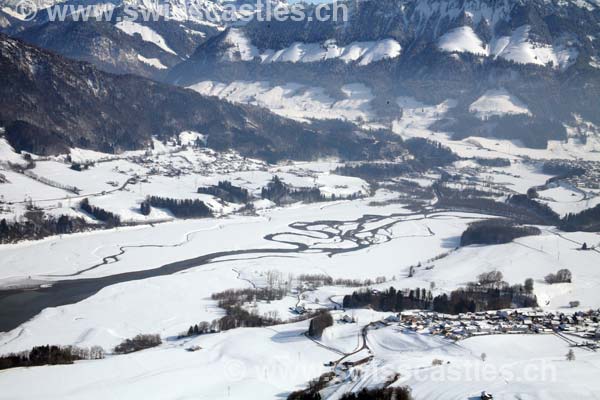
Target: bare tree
x=96, y=353
x=528, y=285
x=562, y=276
x=490, y=278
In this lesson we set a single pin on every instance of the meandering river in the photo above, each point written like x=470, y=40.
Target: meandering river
x=19, y=305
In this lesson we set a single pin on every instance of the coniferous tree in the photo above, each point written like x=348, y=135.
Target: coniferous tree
x=185, y=208
x=145, y=208
x=319, y=323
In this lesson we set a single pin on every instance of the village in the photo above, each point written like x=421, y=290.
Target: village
x=579, y=328
x=581, y=174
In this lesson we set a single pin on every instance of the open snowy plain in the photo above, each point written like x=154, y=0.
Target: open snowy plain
x=157, y=273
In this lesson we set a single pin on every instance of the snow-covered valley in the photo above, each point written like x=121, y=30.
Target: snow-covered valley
x=401, y=206
x=158, y=273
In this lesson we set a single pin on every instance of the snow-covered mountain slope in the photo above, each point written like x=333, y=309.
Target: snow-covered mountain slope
x=153, y=62
x=240, y=48
x=482, y=27
x=518, y=47
x=463, y=39
x=171, y=33
x=108, y=47
x=543, y=52
x=207, y=12
x=295, y=101
x=498, y=102
x=105, y=105
x=147, y=34
x=538, y=32
x=363, y=52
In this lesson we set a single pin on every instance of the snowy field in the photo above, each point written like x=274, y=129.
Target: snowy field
x=375, y=237
x=270, y=362
x=168, y=305
x=263, y=363
x=516, y=367
x=120, y=184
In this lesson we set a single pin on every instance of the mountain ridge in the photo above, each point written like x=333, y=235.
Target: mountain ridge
x=49, y=104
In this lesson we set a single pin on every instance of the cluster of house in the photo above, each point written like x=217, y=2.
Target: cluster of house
x=590, y=179
x=298, y=310
x=456, y=327
x=175, y=161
